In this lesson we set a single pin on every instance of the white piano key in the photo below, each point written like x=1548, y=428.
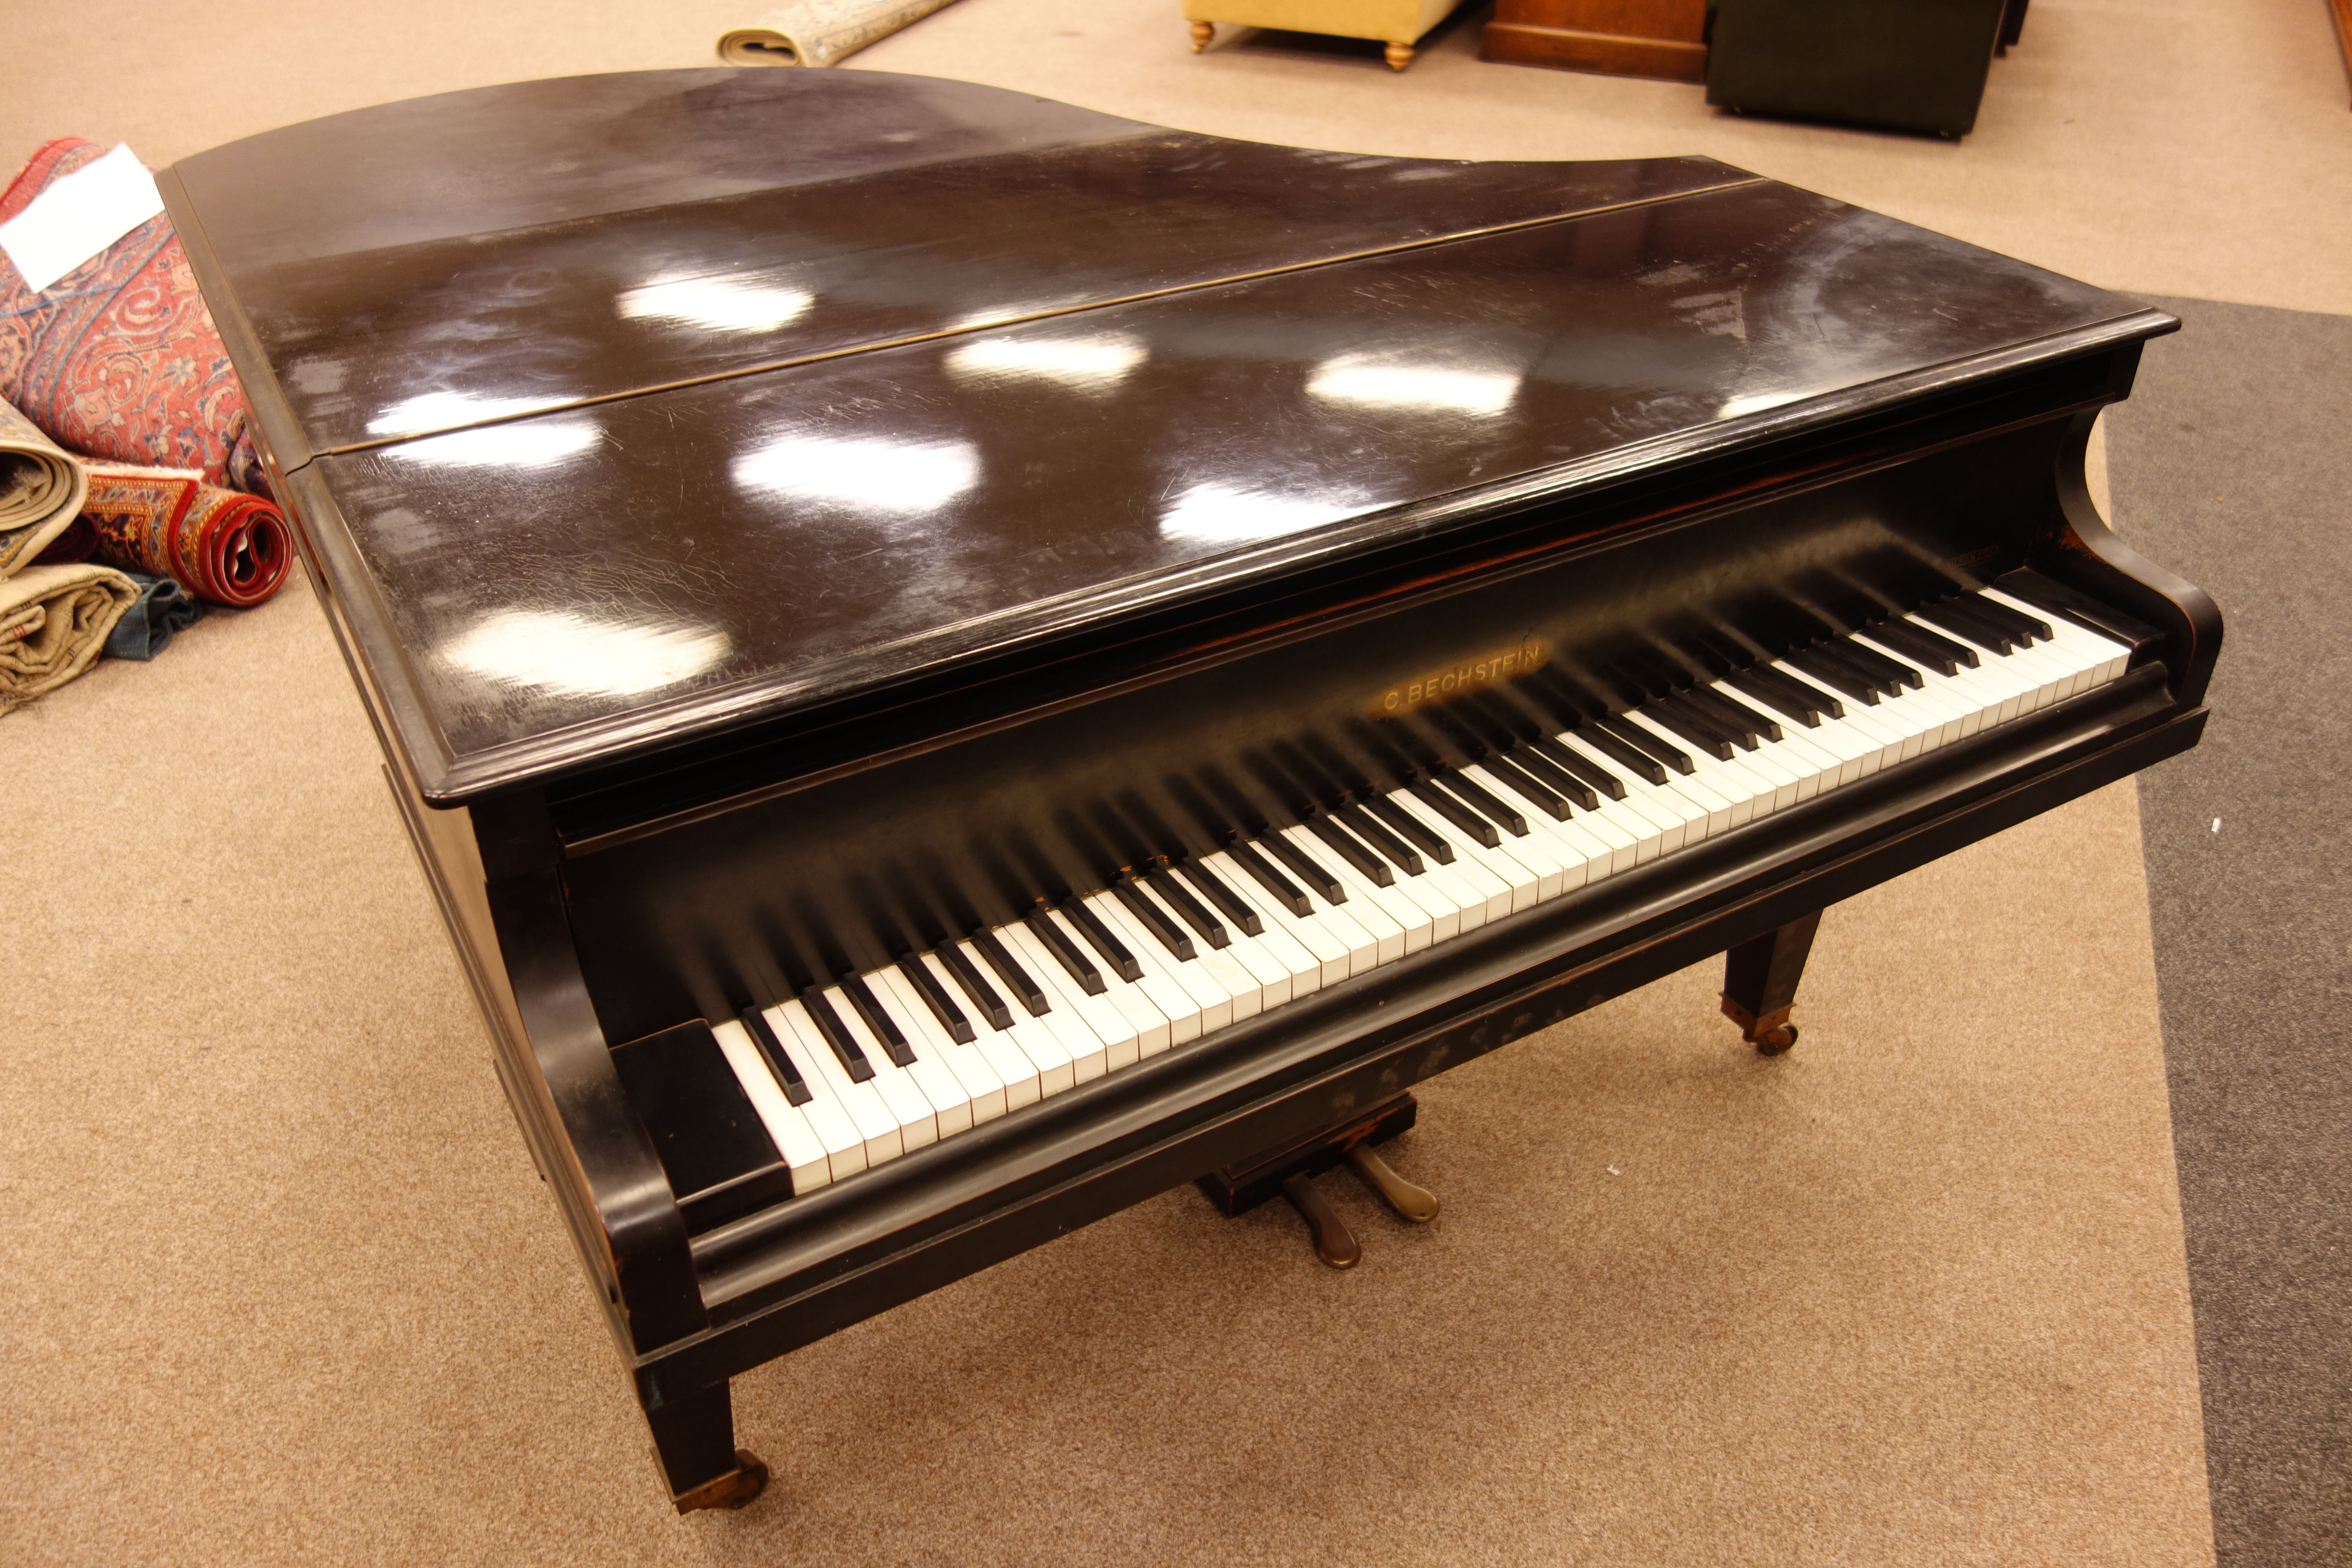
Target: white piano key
x=1107, y=1025
x=1304, y=965
x=1385, y=930
x=1011, y=1065
x=918, y=1120
x=1743, y=789
x=940, y=1083
x=844, y=1145
x=1328, y=953
x=1272, y=976
x=1199, y=1001
x=1414, y=924
x=1046, y=1041
x=1477, y=894
x=876, y=1125
x=2106, y=656
x=983, y=1089
x=797, y=1144
x=1500, y=878
x=1559, y=868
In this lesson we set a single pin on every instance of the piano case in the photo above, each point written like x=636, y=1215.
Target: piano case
x=788, y=526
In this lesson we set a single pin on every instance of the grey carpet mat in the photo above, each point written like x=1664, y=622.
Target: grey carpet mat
x=2232, y=466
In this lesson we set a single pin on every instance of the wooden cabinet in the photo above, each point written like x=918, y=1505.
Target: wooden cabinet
x=1662, y=39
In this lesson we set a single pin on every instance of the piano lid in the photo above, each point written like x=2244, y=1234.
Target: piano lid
x=715, y=394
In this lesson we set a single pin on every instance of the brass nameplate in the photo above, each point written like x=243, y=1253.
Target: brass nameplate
x=1474, y=674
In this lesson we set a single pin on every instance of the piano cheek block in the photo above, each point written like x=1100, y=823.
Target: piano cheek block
x=721, y=1162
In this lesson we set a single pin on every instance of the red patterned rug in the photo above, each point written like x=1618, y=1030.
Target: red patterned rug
x=118, y=359
x=217, y=543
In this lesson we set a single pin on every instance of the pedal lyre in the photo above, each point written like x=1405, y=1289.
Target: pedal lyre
x=1291, y=1169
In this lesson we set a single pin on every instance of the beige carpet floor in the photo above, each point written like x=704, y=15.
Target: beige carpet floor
x=277, y=1283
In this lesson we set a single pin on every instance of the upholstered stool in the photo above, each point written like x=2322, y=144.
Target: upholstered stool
x=1398, y=24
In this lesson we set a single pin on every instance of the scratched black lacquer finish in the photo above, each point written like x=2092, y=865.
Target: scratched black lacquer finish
x=782, y=520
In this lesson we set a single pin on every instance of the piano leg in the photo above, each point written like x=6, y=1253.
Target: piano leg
x=1759, y=984
x=694, y=1442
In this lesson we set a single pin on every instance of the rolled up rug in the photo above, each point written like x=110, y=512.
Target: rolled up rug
x=218, y=545
x=53, y=622
x=118, y=359
x=818, y=32
x=78, y=543
x=41, y=490
x=163, y=610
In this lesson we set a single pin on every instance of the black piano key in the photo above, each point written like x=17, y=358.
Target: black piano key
x=1234, y=908
x=1793, y=699
x=1621, y=751
x=1105, y=942
x=1539, y=767
x=1823, y=702
x=1016, y=979
x=1277, y=885
x=1066, y=951
x=1648, y=744
x=1194, y=913
x=1709, y=736
x=1856, y=651
x=771, y=1050
x=934, y=996
x=1478, y=798
x=1837, y=676
x=2026, y=628
x=1554, y=805
x=1958, y=652
x=1374, y=832
x=1410, y=828
x=837, y=1034
x=1924, y=649
x=2057, y=599
x=1456, y=813
x=1842, y=655
x=1756, y=726
x=1954, y=617
x=1155, y=919
x=976, y=986
x=1578, y=766
x=1303, y=867
x=1337, y=839
x=1751, y=713
x=884, y=1027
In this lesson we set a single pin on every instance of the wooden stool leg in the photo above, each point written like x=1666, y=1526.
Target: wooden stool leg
x=1759, y=984
x=1202, y=33
x=1399, y=56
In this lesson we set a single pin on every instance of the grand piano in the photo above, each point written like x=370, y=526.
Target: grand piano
x=955, y=663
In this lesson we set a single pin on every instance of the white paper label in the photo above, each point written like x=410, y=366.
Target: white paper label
x=78, y=216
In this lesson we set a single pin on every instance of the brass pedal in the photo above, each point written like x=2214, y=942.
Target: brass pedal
x=1410, y=1200
x=1335, y=1244
x=1291, y=1169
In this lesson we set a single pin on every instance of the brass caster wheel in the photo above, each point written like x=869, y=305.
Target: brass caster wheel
x=739, y=1486
x=1399, y=56
x=1203, y=32
x=1777, y=1042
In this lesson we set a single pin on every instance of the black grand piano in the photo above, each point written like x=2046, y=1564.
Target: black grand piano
x=955, y=663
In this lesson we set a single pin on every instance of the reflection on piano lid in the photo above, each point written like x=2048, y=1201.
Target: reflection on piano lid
x=955, y=663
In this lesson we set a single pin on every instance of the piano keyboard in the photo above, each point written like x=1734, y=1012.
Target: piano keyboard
x=854, y=1074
